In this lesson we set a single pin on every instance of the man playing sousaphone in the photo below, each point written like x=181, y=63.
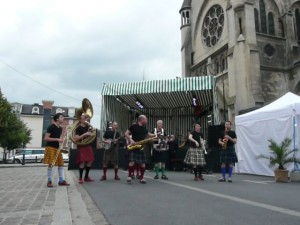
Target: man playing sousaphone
x=110, y=139
x=83, y=135
x=85, y=155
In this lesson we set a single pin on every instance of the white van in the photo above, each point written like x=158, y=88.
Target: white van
x=31, y=155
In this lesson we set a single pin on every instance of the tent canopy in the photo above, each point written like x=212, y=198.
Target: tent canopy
x=285, y=106
x=275, y=121
x=160, y=94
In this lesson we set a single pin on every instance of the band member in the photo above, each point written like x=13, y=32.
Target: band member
x=85, y=155
x=160, y=150
x=228, y=157
x=195, y=153
x=53, y=138
x=110, y=155
x=139, y=132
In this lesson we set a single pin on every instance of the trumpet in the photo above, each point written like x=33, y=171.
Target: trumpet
x=225, y=140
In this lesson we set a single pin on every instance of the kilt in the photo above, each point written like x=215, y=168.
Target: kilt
x=195, y=157
x=228, y=155
x=85, y=154
x=137, y=156
x=160, y=156
x=50, y=154
x=111, y=156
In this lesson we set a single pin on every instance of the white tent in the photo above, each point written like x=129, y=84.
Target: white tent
x=276, y=121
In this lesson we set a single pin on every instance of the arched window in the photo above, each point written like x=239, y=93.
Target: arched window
x=263, y=19
x=271, y=23
x=187, y=17
x=35, y=110
x=297, y=15
x=183, y=18
x=256, y=15
x=59, y=110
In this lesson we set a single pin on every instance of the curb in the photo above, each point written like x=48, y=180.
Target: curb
x=83, y=209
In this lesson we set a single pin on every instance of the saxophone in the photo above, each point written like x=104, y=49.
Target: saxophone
x=225, y=140
x=139, y=144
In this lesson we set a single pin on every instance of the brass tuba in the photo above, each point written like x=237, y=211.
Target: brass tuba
x=86, y=109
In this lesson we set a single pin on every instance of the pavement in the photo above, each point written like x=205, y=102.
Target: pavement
x=25, y=199
x=249, y=200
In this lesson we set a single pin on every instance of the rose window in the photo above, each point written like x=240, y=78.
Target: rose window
x=213, y=25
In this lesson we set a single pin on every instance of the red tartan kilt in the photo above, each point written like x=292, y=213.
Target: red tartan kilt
x=85, y=154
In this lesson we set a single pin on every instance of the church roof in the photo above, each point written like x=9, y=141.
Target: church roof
x=186, y=4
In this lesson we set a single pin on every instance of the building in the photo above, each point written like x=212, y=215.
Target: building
x=251, y=47
x=38, y=117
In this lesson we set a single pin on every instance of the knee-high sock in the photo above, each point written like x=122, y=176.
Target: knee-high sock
x=61, y=173
x=138, y=169
x=163, y=169
x=142, y=172
x=116, y=171
x=200, y=170
x=130, y=171
x=230, y=169
x=156, y=169
x=87, y=170
x=104, y=171
x=80, y=172
x=49, y=174
x=223, y=171
x=195, y=171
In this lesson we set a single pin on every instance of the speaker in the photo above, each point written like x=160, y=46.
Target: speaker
x=213, y=158
x=213, y=135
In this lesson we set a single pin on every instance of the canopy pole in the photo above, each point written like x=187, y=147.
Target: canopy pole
x=295, y=147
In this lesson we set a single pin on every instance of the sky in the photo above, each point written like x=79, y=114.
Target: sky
x=65, y=50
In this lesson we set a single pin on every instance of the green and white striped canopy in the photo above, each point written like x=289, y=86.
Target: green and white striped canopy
x=172, y=93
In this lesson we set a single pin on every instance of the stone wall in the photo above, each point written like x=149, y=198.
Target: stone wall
x=274, y=85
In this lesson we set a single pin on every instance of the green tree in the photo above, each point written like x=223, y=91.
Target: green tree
x=13, y=131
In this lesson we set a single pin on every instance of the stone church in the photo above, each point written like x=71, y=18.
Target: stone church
x=251, y=47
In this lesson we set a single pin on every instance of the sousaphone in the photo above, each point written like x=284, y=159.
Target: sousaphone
x=87, y=110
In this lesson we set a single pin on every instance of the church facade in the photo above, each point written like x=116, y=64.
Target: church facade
x=251, y=47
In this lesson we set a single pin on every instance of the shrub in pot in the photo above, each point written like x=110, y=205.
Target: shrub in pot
x=280, y=155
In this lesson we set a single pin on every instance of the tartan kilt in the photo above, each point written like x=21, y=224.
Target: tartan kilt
x=85, y=154
x=50, y=154
x=160, y=156
x=137, y=156
x=228, y=156
x=195, y=157
x=111, y=156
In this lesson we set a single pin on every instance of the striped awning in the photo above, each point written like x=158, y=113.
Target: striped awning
x=173, y=93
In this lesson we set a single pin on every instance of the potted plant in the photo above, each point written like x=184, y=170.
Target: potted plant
x=280, y=155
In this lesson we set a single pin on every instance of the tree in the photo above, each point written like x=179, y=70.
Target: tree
x=14, y=132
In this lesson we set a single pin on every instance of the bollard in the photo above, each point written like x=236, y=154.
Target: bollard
x=36, y=159
x=23, y=161
x=14, y=160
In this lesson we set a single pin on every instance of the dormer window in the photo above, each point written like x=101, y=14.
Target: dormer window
x=71, y=112
x=59, y=110
x=17, y=108
x=35, y=110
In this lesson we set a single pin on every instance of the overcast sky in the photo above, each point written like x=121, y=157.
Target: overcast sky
x=75, y=46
